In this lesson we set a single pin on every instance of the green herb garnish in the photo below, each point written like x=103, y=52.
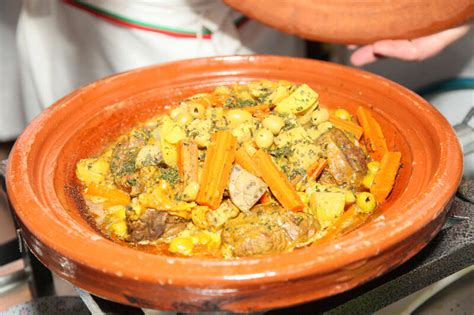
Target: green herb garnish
x=170, y=174
x=132, y=181
x=284, y=151
x=239, y=103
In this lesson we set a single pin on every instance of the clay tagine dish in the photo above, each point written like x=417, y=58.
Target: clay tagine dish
x=41, y=185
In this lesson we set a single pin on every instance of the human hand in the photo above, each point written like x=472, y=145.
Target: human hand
x=410, y=50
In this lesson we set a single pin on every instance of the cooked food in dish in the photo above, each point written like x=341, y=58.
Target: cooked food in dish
x=248, y=169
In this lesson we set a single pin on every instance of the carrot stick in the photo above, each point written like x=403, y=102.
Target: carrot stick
x=188, y=161
x=281, y=188
x=266, y=198
x=243, y=158
x=206, y=174
x=342, y=222
x=373, y=135
x=346, y=125
x=217, y=100
x=204, y=100
x=315, y=169
x=216, y=171
x=261, y=115
x=113, y=196
x=259, y=111
x=256, y=108
x=385, y=177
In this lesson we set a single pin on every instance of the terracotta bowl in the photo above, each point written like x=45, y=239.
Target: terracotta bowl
x=356, y=21
x=41, y=185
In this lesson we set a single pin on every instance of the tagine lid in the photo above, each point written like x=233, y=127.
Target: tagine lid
x=357, y=22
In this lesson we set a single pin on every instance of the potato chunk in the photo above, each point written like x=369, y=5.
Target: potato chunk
x=245, y=189
x=298, y=101
x=327, y=206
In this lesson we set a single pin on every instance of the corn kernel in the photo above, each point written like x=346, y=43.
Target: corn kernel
x=368, y=180
x=350, y=197
x=342, y=114
x=181, y=245
x=373, y=167
x=116, y=213
x=202, y=238
x=119, y=228
x=137, y=209
x=164, y=186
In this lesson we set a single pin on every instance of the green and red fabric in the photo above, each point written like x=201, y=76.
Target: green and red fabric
x=125, y=21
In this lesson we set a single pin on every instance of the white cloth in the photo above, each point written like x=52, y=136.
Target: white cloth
x=11, y=113
x=62, y=47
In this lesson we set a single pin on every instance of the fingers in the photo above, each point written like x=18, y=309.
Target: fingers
x=420, y=48
x=429, y=46
x=399, y=49
x=363, y=56
x=408, y=50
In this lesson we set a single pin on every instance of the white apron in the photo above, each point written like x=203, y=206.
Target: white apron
x=65, y=44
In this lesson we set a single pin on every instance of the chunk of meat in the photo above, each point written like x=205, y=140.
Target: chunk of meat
x=268, y=229
x=326, y=178
x=143, y=179
x=299, y=226
x=153, y=224
x=253, y=239
x=245, y=189
x=174, y=226
x=124, y=155
x=347, y=162
x=149, y=155
x=149, y=226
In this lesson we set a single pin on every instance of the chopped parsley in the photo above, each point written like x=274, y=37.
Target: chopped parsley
x=246, y=102
x=292, y=173
x=123, y=162
x=230, y=103
x=263, y=97
x=284, y=151
x=132, y=181
x=239, y=103
x=286, y=169
x=289, y=124
x=170, y=174
x=297, y=172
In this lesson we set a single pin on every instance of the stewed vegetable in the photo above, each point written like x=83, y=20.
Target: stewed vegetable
x=248, y=169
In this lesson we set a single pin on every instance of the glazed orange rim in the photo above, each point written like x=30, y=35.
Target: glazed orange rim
x=352, y=248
